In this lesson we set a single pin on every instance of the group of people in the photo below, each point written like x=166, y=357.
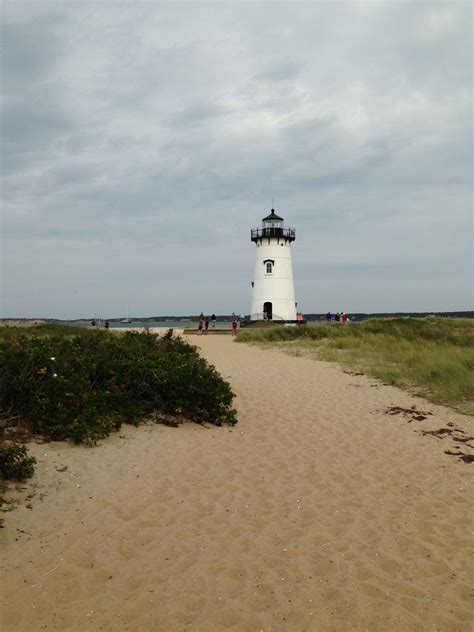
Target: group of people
x=338, y=317
x=203, y=323
x=94, y=323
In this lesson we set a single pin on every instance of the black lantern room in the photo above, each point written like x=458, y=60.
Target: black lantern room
x=272, y=226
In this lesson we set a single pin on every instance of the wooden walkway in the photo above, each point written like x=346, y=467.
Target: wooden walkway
x=209, y=332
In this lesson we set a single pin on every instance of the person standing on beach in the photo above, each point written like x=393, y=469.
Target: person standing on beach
x=213, y=320
x=234, y=327
x=201, y=322
x=344, y=318
x=328, y=318
x=337, y=317
x=206, y=324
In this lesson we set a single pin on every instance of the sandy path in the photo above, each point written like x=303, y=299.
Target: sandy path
x=317, y=512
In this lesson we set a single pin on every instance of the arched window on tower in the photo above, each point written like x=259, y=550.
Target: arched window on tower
x=269, y=263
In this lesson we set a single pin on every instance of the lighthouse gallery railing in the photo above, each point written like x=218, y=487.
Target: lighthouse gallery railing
x=282, y=233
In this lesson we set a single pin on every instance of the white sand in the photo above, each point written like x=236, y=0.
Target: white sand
x=317, y=512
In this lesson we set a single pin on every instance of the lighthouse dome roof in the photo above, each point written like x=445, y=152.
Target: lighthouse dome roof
x=273, y=215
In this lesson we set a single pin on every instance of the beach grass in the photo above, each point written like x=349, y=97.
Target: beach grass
x=432, y=357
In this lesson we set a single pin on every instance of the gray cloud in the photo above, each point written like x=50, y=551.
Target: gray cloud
x=141, y=142
x=281, y=70
x=31, y=46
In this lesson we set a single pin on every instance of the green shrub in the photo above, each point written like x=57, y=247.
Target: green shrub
x=15, y=463
x=83, y=384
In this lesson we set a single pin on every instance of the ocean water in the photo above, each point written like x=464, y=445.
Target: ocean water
x=168, y=324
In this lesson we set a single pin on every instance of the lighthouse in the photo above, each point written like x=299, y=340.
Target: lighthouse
x=273, y=293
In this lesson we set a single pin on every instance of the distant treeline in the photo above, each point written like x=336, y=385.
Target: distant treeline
x=363, y=316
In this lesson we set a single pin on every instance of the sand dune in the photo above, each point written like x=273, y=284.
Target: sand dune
x=317, y=512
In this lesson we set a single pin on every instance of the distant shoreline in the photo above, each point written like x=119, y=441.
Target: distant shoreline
x=187, y=320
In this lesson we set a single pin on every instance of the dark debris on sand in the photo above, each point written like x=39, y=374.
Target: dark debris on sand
x=458, y=435
x=416, y=415
x=466, y=458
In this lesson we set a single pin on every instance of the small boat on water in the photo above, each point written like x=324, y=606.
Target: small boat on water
x=127, y=320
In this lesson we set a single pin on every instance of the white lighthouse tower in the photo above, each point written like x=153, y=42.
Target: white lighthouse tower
x=273, y=294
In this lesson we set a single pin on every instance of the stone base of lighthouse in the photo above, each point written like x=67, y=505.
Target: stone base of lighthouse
x=282, y=311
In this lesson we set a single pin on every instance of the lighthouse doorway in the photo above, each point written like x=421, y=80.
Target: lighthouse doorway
x=267, y=311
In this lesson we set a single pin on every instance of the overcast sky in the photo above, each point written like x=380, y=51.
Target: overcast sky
x=142, y=141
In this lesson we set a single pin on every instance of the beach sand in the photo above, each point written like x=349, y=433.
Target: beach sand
x=317, y=512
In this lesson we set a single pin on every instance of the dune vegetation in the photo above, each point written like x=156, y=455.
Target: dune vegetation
x=432, y=357
x=78, y=384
